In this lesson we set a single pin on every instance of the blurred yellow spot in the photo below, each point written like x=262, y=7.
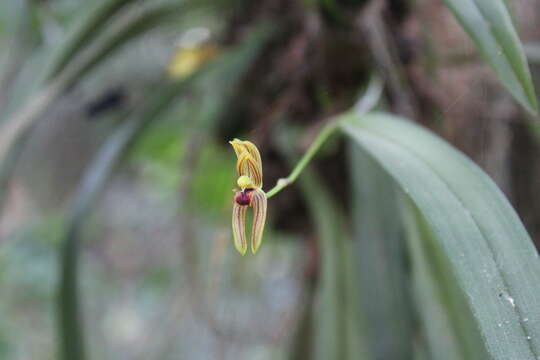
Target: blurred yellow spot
x=186, y=61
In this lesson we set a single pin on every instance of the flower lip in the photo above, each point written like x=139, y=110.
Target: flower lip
x=243, y=197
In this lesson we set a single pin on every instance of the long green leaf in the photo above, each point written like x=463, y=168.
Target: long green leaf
x=488, y=251
x=329, y=335
x=445, y=319
x=89, y=25
x=380, y=256
x=338, y=328
x=489, y=24
x=18, y=49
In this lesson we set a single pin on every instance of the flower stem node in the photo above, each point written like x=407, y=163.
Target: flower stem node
x=249, y=169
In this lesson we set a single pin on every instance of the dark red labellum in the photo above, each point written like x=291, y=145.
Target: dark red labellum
x=243, y=197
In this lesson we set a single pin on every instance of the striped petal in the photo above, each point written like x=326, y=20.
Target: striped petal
x=246, y=146
x=258, y=202
x=239, y=227
x=249, y=161
x=247, y=166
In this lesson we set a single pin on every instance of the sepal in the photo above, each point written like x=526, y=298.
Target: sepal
x=259, y=205
x=239, y=227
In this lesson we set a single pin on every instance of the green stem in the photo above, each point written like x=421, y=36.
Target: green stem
x=365, y=104
x=325, y=133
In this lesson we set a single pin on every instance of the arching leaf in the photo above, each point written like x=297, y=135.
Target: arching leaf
x=476, y=233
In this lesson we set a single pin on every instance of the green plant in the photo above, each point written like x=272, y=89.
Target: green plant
x=433, y=246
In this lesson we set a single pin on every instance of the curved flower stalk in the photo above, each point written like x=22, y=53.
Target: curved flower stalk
x=250, y=178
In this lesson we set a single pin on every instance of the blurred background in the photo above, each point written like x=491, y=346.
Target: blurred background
x=127, y=109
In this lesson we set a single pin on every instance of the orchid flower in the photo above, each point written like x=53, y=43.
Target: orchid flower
x=250, y=177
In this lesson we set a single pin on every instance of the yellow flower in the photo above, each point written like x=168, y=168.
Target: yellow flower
x=250, y=177
x=186, y=61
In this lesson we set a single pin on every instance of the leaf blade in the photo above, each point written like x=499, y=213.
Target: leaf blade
x=446, y=321
x=488, y=248
x=380, y=258
x=489, y=24
x=338, y=331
